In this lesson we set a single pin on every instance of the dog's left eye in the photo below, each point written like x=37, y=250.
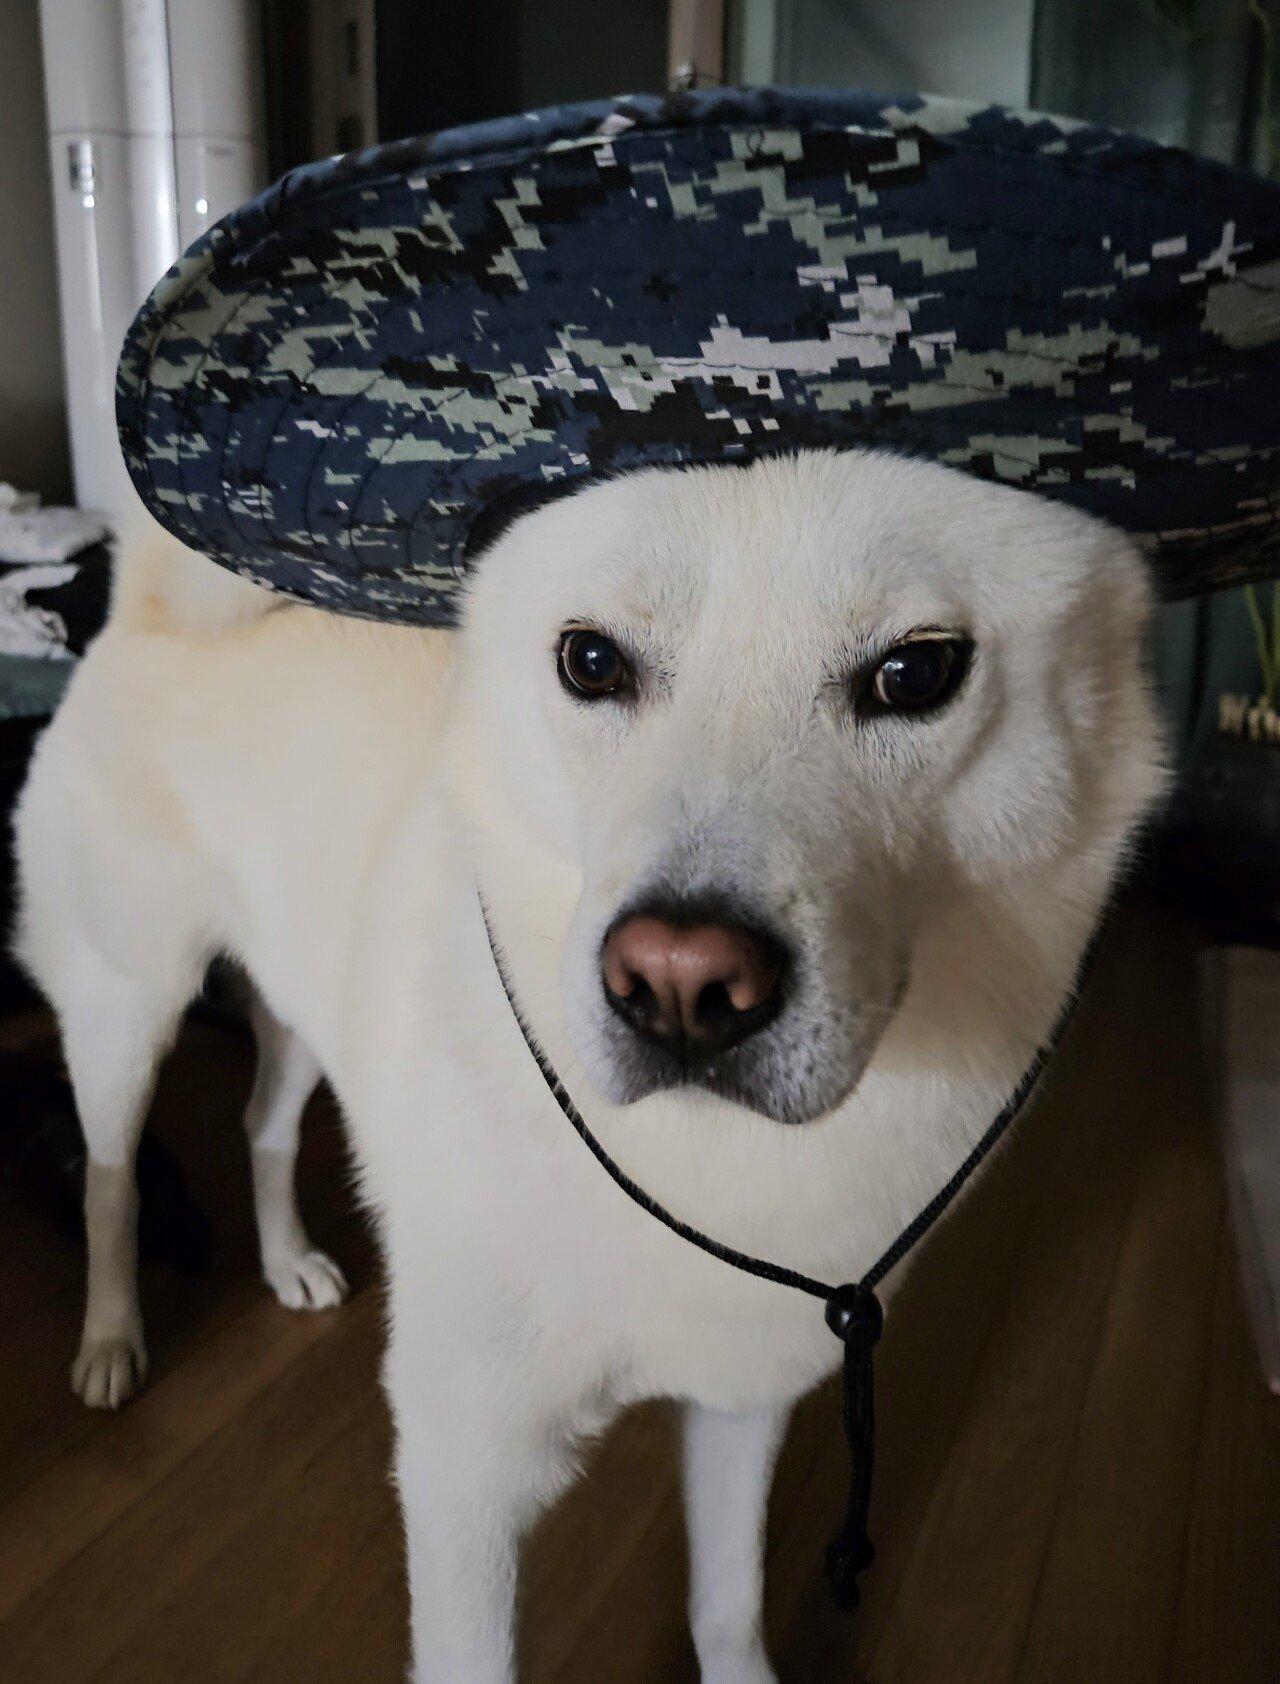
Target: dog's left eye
x=916, y=677
x=592, y=665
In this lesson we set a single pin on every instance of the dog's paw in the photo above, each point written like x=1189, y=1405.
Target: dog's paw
x=307, y=1281
x=107, y=1372
x=738, y=1668
x=751, y=1671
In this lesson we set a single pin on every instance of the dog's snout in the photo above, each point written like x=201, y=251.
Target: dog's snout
x=702, y=985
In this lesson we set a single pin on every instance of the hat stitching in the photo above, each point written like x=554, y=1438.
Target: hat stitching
x=1014, y=395
x=1177, y=546
x=955, y=144
x=501, y=382
x=880, y=223
x=138, y=398
x=1145, y=155
x=375, y=327
x=873, y=216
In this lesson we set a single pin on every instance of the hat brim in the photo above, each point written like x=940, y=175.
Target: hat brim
x=336, y=387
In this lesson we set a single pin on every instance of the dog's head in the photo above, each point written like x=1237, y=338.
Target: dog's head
x=770, y=722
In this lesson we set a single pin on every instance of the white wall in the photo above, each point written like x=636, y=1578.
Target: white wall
x=33, y=436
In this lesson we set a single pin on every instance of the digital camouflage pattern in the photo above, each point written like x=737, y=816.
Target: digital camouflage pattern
x=340, y=389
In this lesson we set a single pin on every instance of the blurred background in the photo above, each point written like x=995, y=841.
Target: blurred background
x=128, y=126
x=1078, y=1468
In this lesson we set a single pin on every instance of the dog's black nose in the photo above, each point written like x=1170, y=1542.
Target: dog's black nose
x=698, y=986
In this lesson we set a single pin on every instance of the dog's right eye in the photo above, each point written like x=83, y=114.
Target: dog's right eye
x=918, y=676
x=591, y=665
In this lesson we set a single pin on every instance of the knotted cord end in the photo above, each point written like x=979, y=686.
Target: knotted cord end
x=855, y=1317
x=853, y=1311
x=844, y=1566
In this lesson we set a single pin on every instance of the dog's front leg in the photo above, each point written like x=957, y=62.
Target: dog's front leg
x=475, y=1462
x=728, y=1468
x=463, y=1491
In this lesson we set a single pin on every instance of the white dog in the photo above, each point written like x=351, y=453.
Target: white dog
x=793, y=793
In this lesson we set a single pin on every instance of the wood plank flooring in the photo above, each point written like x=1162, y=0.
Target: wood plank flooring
x=1078, y=1469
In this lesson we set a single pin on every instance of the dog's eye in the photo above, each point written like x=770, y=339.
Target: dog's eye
x=916, y=677
x=592, y=665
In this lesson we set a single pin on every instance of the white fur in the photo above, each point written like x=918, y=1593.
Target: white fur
x=322, y=798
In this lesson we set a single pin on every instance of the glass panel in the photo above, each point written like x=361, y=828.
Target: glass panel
x=981, y=50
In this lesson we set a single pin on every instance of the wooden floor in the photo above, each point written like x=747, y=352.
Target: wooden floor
x=1078, y=1472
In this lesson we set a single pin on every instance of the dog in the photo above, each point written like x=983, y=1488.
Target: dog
x=791, y=792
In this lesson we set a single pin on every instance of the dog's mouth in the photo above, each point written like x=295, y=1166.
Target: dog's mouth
x=795, y=1070
x=723, y=997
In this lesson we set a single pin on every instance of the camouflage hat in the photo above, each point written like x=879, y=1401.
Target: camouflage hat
x=340, y=387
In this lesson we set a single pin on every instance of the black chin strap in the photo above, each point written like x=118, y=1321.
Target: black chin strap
x=853, y=1311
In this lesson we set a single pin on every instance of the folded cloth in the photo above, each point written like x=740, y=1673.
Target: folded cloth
x=48, y=616
x=32, y=534
x=26, y=628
